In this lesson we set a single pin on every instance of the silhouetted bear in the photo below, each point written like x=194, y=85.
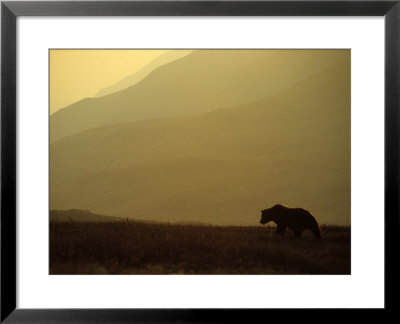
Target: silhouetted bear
x=297, y=219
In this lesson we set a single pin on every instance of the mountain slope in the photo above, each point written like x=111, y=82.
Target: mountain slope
x=220, y=167
x=77, y=215
x=140, y=75
x=203, y=81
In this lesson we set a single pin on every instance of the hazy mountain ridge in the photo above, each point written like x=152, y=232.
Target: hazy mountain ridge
x=202, y=81
x=218, y=166
x=132, y=79
x=78, y=215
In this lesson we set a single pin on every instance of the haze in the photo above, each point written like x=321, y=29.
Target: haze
x=209, y=136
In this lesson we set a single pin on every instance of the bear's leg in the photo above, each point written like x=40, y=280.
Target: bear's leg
x=314, y=228
x=281, y=229
x=297, y=233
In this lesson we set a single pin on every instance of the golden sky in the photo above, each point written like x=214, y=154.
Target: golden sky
x=78, y=74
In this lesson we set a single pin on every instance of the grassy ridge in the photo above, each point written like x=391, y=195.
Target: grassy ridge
x=143, y=248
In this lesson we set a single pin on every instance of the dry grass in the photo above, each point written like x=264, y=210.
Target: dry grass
x=145, y=248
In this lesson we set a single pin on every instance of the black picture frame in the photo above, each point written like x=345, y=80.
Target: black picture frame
x=10, y=10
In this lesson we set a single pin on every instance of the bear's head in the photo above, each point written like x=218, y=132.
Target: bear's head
x=268, y=215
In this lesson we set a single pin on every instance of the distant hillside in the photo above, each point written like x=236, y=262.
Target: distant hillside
x=140, y=75
x=78, y=215
x=203, y=81
x=220, y=167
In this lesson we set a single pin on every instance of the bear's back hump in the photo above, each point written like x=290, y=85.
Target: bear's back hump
x=296, y=215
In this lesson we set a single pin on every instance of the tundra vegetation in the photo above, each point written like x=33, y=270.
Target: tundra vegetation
x=136, y=247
